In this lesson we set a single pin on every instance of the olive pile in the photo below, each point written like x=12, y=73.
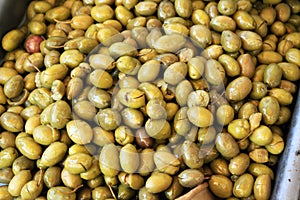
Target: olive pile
x=128, y=99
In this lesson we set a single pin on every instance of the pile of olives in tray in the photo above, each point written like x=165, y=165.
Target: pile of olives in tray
x=153, y=99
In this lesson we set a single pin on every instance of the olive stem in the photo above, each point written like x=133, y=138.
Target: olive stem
x=112, y=192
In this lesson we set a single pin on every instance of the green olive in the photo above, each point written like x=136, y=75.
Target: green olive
x=165, y=10
x=191, y=155
x=40, y=97
x=6, y=174
x=70, y=180
x=262, y=187
x=71, y=58
x=79, y=131
x=22, y=163
x=45, y=135
x=60, y=193
x=78, y=163
x=166, y=162
x=269, y=107
x=158, y=182
x=132, y=118
x=129, y=158
x=251, y=41
x=119, y=49
x=221, y=186
x=123, y=14
x=149, y=71
x=145, y=195
x=181, y=122
x=226, y=145
x=269, y=57
x=190, y=178
x=99, y=97
x=8, y=156
x=53, y=154
x=183, y=8
x=244, y=20
x=272, y=75
x=175, y=190
x=18, y=181
x=31, y=190
x=14, y=86
x=227, y=7
x=200, y=116
x=156, y=109
x=12, y=39
x=146, y=161
x=146, y=8
x=109, y=160
x=239, y=164
x=7, y=139
x=52, y=177
x=164, y=43
x=28, y=147
x=196, y=67
x=109, y=119
x=259, y=155
x=59, y=13
x=239, y=128
x=243, y=186
x=5, y=195
x=220, y=166
x=158, y=129
x=238, y=89
x=11, y=122
x=257, y=169
x=225, y=115
x=221, y=23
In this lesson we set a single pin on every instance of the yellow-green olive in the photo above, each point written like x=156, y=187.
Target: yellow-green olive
x=28, y=147
x=31, y=190
x=59, y=13
x=79, y=131
x=129, y=158
x=12, y=39
x=262, y=187
x=51, y=176
x=226, y=7
x=243, y=186
x=225, y=114
x=4, y=194
x=53, y=154
x=239, y=128
x=269, y=107
x=166, y=162
x=45, y=135
x=101, y=79
x=226, y=145
x=238, y=89
x=11, y=122
x=158, y=182
x=158, y=129
x=22, y=163
x=257, y=169
x=261, y=136
x=164, y=43
x=190, y=178
x=109, y=160
x=7, y=139
x=221, y=186
x=200, y=116
x=146, y=8
x=18, y=181
x=220, y=166
x=221, y=23
x=183, y=8
x=239, y=164
x=201, y=35
x=8, y=156
x=60, y=193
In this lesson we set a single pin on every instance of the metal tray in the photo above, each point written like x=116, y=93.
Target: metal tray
x=287, y=181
